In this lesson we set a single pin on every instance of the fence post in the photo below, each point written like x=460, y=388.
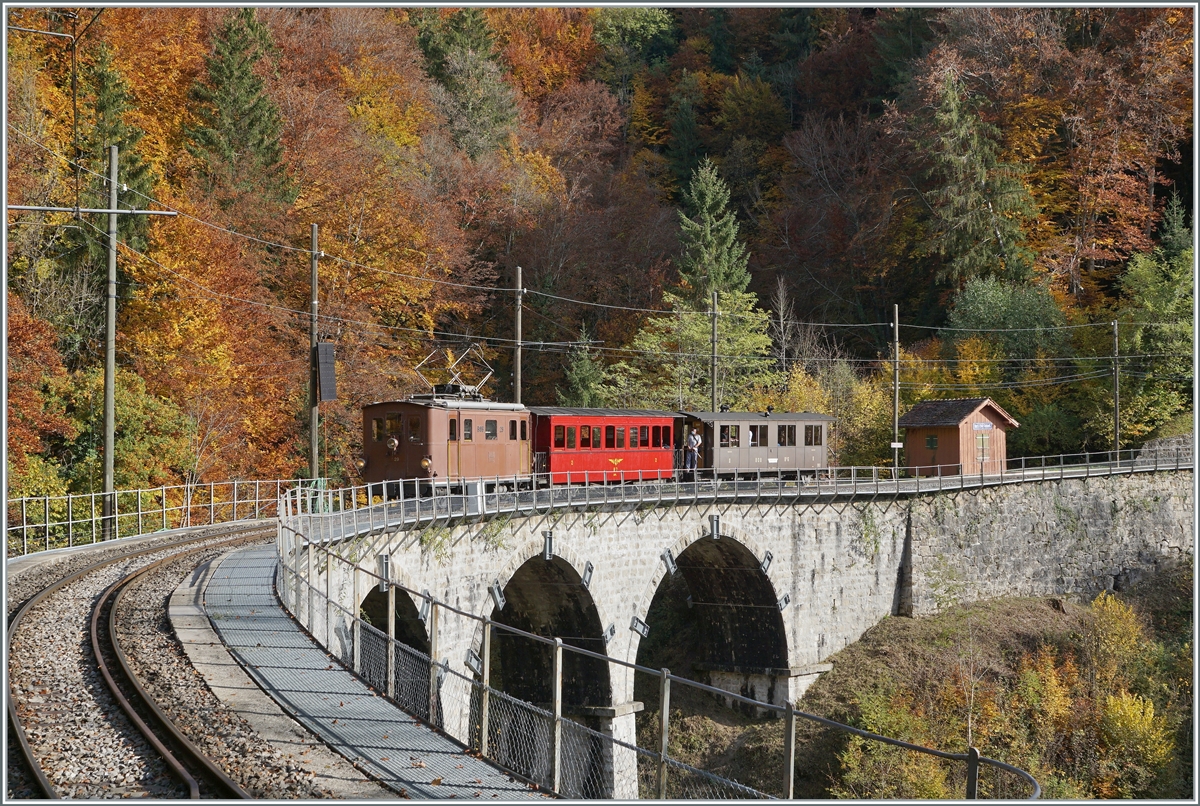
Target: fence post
x=664, y=719
x=212, y=506
x=484, y=694
x=163, y=501
x=391, y=625
x=328, y=600
x=70, y=521
x=235, y=500
x=556, y=734
x=92, y=504
x=296, y=572
x=433, y=664
x=357, y=622
x=789, y=750
x=312, y=586
x=972, y=773
x=46, y=520
x=139, y=495
x=116, y=499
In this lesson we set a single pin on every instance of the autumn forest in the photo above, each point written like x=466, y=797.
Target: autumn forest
x=1015, y=180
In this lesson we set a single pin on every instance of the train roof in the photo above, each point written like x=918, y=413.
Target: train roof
x=561, y=411
x=450, y=402
x=742, y=416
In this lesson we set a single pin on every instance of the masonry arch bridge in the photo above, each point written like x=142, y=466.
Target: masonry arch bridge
x=765, y=591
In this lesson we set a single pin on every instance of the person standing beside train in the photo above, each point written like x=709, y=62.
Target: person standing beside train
x=692, y=455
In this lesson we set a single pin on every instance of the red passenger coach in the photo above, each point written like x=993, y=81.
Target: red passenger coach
x=582, y=445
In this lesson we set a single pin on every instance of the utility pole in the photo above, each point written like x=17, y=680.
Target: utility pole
x=714, y=352
x=896, y=391
x=1116, y=396
x=517, y=358
x=110, y=352
x=312, y=369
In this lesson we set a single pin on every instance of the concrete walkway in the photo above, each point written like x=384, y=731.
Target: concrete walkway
x=319, y=693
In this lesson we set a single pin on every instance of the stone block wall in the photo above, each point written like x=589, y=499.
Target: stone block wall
x=1074, y=537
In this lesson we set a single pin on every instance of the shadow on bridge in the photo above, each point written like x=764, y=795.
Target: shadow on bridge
x=718, y=617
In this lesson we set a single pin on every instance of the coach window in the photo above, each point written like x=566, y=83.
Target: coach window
x=489, y=429
x=610, y=436
x=560, y=436
x=468, y=430
x=620, y=437
x=524, y=432
x=585, y=436
x=414, y=429
x=666, y=443
x=570, y=436
x=633, y=436
x=512, y=430
x=730, y=436
x=812, y=435
x=645, y=435
x=758, y=436
x=656, y=436
x=377, y=429
x=786, y=436
x=596, y=437
x=453, y=429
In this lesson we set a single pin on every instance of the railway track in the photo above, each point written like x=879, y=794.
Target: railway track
x=102, y=703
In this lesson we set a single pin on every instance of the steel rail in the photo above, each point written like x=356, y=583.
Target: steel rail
x=14, y=720
x=117, y=592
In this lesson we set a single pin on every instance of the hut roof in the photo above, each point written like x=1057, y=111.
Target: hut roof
x=950, y=413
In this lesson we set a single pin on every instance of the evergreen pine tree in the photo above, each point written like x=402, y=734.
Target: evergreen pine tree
x=438, y=36
x=672, y=365
x=239, y=126
x=979, y=203
x=586, y=378
x=713, y=258
x=684, y=148
x=85, y=269
x=479, y=105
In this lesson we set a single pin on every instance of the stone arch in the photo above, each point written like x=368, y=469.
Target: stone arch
x=731, y=619
x=548, y=598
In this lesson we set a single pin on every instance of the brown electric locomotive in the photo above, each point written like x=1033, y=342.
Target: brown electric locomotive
x=438, y=440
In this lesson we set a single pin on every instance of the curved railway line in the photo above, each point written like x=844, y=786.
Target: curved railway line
x=102, y=700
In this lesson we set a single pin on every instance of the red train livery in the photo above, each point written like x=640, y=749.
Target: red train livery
x=584, y=445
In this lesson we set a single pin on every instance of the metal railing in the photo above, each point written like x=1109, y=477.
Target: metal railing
x=541, y=742
x=366, y=508
x=64, y=521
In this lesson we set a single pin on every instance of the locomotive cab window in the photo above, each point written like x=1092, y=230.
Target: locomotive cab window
x=468, y=428
x=585, y=436
x=377, y=429
x=812, y=435
x=489, y=429
x=393, y=425
x=570, y=436
x=786, y=436
x=512, y=430
x=560, y=436
x=524, y=431
x=414, y=429
x=453, y=430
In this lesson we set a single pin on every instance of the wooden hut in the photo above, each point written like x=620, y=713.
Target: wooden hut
x=961, y=435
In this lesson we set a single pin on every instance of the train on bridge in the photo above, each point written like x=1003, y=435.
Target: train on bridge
x=453, y=437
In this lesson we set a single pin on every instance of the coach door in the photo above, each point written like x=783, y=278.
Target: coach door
x=814, y=444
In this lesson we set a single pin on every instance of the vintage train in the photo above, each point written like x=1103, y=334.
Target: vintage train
x=453, y=437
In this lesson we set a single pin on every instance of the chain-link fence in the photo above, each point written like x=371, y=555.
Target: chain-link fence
x=589, y=756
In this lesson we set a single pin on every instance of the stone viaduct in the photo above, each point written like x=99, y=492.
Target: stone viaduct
x=775, y=589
